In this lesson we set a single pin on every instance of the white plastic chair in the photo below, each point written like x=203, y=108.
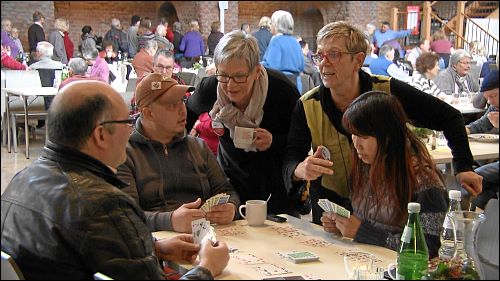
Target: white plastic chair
x=10, y=270
x=36, y=105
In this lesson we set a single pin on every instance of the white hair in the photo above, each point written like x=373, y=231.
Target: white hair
x=283, y=21
x=45, y=49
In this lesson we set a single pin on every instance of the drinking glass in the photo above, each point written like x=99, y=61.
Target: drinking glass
x=464, y=99
x=358, y=265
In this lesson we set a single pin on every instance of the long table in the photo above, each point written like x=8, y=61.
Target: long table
x=480, y=151
x=266, y=241
x=24, y=93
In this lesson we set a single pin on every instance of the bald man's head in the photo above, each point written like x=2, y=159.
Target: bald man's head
x=78, y=108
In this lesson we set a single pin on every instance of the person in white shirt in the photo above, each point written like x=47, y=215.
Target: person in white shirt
x=423, y=47
x=427, y=67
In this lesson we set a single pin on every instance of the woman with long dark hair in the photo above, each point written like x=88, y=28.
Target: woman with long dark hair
x=390, y=168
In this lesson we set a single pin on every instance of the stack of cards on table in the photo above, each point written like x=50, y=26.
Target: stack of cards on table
x=299, y=257
x=329, y=206
x=218, y=199
x=202, y=230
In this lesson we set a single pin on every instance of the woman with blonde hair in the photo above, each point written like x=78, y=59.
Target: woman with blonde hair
x=69, y=46
x=192, y=44
x=56, y=38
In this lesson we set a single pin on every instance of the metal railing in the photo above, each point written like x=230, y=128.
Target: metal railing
x=474, y=32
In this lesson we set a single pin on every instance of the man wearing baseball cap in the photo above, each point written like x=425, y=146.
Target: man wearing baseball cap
x=170, y=173
x=488, y=123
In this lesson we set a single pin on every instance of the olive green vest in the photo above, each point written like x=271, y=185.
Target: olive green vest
x=324, y=133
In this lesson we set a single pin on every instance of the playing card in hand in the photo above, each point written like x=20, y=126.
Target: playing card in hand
x=217, y=199
x=325, y=153
x=331, y=207
x=202, y=230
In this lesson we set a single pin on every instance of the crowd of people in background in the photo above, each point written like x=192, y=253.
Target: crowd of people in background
x=152, y=170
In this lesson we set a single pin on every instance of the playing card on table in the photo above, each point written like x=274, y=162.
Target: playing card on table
x=246, y=258
x=271, y=269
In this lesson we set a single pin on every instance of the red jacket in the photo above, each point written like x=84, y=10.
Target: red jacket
x=68, y=45
x=10, y=63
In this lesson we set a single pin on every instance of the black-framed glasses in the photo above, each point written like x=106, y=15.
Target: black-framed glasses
x=130, y=121
x=241, y=78
x=332, y=57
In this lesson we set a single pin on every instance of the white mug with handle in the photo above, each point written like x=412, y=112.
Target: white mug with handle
x=256, y=212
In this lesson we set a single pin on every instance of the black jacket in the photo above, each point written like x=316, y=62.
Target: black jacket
x=35, y=35
x=255, y=175
x=63, y=217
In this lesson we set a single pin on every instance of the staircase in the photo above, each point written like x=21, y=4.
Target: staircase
x=472, y=10
x=480, y=9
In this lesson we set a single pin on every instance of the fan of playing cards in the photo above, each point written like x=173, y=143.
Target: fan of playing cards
x=329, y=206
x=218, y=199
x=202, y=230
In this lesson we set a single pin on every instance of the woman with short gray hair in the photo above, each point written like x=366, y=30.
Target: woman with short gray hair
x=284, y=52
x=246, y=94
x=457, y=78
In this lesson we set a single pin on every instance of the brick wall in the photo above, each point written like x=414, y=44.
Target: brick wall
x=21, y=15
x=309, y=16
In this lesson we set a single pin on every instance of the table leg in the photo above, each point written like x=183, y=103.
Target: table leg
x=8, y=121
x=26, y=127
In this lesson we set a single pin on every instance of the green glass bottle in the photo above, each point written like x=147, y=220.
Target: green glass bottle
x=413, y=255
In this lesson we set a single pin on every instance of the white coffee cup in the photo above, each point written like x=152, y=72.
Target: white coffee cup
x=243, y=137
x=256, y=212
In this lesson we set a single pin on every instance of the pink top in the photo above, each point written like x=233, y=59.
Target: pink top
x=441, y=46
x=205, y=131
x=100, y=70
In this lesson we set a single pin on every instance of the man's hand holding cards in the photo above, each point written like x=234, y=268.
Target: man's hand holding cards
x=202, y=230
x=218, y=210
x=215, y=200
x=331, y=207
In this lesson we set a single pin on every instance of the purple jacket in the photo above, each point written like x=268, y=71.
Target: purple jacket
x=7, y=41
x=192, y=44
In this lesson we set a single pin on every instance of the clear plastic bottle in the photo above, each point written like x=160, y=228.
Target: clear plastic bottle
x=413, y=255
x=447, y=238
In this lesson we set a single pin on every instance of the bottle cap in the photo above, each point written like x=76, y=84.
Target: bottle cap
x=455, y=195
x=413, y=207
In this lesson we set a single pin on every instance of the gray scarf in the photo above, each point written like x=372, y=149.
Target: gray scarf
x=225, y=112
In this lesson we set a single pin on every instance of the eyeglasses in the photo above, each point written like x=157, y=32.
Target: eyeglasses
x=130, y=122
x=332, y=57
x=242, y=78
x=465, y=63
